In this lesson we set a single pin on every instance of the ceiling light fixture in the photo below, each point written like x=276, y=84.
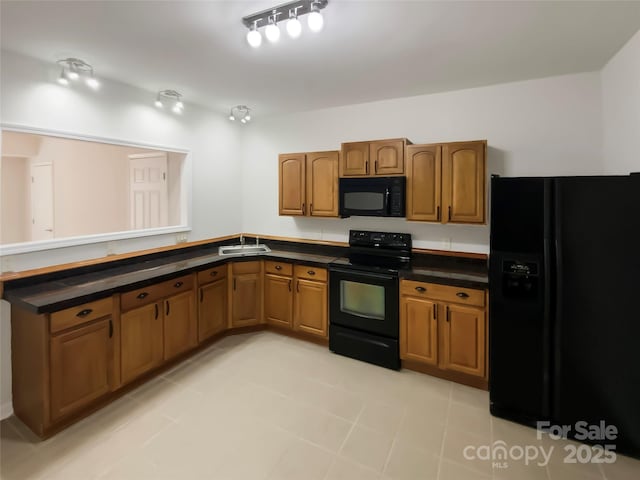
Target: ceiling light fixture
x=240, y=112
x=170, y=96
x=73, y=69
x=291, y=10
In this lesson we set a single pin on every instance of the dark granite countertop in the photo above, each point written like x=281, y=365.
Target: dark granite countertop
x=48, y=294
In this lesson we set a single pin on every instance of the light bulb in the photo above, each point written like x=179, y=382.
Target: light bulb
x=176, y=109
x=93, y=82
x=158, y=103
x=73, y=75
x=248, y=117
x=315, y=21
x=254, y=38
x=294, y=27
x=179, y=105
x=232, y=118
x=62, y=79
x=272, y=32
x=243, y=120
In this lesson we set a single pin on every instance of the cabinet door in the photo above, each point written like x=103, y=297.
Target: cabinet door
x=424, y=164
x=419, y=330
x=463, y=182
x=463, y=348
x=354, y=159
x=311, y=307
x=387, y=157
x=140, y=340
x=212, y=312
x=278, y=300
x=246, y=300
x=81, y=367
x=291, y=176
x=180, y=324
x=322, y=184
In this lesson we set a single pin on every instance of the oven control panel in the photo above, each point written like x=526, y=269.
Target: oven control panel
x=364, y=238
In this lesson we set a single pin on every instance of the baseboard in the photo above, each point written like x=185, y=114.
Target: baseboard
x=6, y=410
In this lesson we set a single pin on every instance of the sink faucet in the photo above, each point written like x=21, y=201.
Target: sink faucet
x=241, y=239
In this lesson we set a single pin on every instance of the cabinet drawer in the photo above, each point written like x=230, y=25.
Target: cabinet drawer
x=465, y=296
x=143, y=296
x=278, y=268
x=312, y=273
x=246, y=267
x=212, y=274
x=81, y=314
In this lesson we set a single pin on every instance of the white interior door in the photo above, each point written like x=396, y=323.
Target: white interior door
x=148, y=190
x=42, y=201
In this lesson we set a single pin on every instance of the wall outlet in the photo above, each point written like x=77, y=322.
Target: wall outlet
x=111, y=249
x=181, y=238
x=446, y=243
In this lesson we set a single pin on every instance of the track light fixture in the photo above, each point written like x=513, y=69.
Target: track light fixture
x=240, y=112
x=170, y=97
x=291, y=10
x=73, y=69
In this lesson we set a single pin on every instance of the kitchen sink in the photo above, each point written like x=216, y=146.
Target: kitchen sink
x=243, y=249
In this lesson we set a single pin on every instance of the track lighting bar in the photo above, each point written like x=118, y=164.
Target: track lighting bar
x=281, y=12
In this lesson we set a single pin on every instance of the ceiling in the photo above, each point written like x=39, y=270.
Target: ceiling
x=369, y=50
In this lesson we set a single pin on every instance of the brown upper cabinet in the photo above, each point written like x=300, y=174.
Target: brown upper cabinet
x=369, y=159
x=308, y=184
x=446, y=182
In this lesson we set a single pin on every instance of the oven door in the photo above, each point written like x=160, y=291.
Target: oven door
x=366, y=301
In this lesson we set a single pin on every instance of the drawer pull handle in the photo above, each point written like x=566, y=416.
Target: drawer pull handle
x=421, y=289
x=462, y=295
x=311, y=272
x=142, y=295
x=214, y=273
x=178, y=284
x=84, y=313
x=278, y=267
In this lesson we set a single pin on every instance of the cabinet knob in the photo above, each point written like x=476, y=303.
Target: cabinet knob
x=214, y=273
x=142, y=295
x=278, y=267
x=84, y=313
x=421, y=289
x=462, y=295
x=178, y=284
x=311, y=272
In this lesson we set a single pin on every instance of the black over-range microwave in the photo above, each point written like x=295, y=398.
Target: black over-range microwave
x=372, y=196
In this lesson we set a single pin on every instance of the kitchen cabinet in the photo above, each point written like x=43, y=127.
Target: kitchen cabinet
x=308, y=184
x=212, y=306
x=311, y=301
x=61, y=362
x=278, y=294
x=375, y=158
x=443, y=329
x=446, y=182
x=157, y=323
x=246, y=294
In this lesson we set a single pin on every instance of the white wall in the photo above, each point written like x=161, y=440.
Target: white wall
x=621, y=109
x=31, y=97
x=551, y=126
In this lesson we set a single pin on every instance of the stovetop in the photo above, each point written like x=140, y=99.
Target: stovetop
x=377, y=251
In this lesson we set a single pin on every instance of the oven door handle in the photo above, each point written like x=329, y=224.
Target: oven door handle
x=387, y=203
x=359, y=273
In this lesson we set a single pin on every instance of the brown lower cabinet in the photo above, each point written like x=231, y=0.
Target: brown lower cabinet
x=443, y=329
x=141, y=341
x=212, y=306
x=278, y=294
x=246, y=293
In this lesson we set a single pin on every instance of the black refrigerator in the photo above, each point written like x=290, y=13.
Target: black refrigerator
x=564, y=312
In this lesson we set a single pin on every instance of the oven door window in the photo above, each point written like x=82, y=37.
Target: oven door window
x=362, y=299
x=364, y=201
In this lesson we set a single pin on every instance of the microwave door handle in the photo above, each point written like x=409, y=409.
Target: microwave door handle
x=387, y=202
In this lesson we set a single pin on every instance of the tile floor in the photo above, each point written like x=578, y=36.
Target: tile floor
x=264, y=406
